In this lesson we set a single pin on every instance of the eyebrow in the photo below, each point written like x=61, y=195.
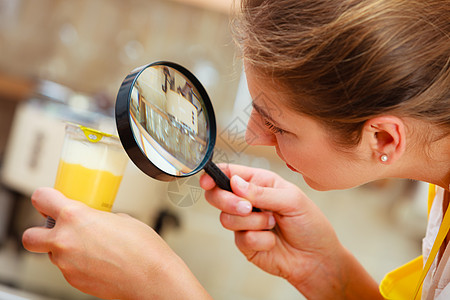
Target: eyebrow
x=264, y=114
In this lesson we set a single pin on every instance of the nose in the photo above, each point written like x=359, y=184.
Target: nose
x=257, y=134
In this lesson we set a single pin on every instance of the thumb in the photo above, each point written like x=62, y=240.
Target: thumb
x=283, y=200
x=50, y=202
x=36, y=239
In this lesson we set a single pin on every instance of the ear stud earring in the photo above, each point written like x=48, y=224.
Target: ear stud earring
x=384, y=158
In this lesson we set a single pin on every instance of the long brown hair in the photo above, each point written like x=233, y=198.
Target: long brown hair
x=345, y=61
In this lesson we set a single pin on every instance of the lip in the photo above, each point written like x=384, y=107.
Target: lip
x=291, y=167
x=282, y=158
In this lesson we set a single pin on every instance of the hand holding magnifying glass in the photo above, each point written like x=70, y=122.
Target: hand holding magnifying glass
x=166, y=123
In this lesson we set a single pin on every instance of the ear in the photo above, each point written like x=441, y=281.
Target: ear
x=386, y=136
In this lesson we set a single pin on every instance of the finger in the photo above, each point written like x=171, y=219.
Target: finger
x=228, y=202
x=258, y=176
x=206, y=182
x=223, y=200
x=124, y=215
x=35, y=239
x=255, y=221
x=282, y=200
x=49, y=201
x=250, y=242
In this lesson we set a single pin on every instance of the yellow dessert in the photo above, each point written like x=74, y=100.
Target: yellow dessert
x=96, y=188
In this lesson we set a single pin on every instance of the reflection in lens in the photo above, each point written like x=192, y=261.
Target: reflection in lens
x=168, y=120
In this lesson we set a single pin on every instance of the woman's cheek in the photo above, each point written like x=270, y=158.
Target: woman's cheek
x=287, y=151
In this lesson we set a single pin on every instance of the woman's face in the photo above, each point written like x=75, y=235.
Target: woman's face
x=301, y=142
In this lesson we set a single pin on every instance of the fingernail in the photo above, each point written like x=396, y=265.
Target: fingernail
x=244, y=207
x=241, y=183
x=272, y=221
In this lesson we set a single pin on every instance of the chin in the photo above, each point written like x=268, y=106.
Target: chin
x=315, y=185
x=324, y=187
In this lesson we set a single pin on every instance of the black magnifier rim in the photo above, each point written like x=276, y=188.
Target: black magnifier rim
x=126, y=134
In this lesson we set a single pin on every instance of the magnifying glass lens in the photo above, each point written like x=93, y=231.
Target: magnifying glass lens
x=168, y=120
x=165, y=121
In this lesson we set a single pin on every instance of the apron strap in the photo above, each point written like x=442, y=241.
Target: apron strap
x=443, y=230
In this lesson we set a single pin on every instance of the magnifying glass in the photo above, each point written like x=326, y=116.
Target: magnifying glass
x=166, y=123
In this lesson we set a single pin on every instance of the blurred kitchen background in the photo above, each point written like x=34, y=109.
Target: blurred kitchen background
x=64, y=60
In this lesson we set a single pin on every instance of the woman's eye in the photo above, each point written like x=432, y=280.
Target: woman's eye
x=274, y=129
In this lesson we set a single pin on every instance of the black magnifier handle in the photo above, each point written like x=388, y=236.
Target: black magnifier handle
x=220, y=178
x=50, y=222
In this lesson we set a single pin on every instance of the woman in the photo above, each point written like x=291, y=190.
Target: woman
x=362, y=91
